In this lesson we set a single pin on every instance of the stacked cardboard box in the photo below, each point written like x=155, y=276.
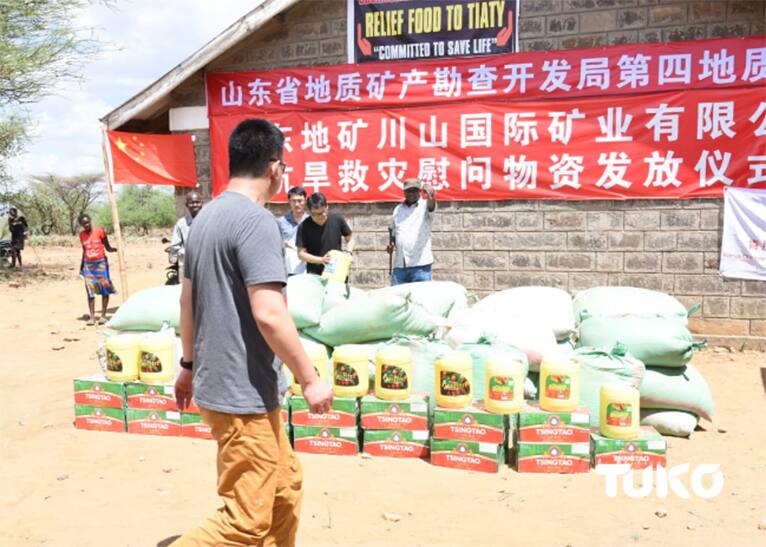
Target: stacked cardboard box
x=648, y=450
x=99, y=404
x=396, y=429
x=152, y=410
x=135, y=407
x=553, y=442
x=469, y=438
x=334, y=432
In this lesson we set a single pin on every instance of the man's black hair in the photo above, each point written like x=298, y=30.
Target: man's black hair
x=317, y=199
x=81, y=217
x=253, y=146
x=297, y=191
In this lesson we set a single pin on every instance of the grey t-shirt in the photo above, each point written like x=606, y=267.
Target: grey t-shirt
x=234, y=243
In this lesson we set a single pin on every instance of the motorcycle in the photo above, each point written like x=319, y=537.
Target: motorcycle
x=174, y=252
x=5, y=248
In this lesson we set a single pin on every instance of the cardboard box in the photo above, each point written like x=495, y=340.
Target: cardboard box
x=538, y=426
x=343, y=413
x=648, y=450
x=470, y=424
x=409, y=415
x=553, y=457
x=152, y=396
x=166, y=423
x=97, y=391
x=339, y=441
x=97, y=418
x=193, y=426
x=396, y=444
x=472, y=456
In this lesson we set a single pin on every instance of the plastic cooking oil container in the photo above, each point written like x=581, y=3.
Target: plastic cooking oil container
x=504, y=388
x=122, y=354
x=559, y=384
x=318, y=356
x=350, y=371
x=453, y=372
x=619, y=411
x=393, y=373
x=337, y=269
x=157, y=358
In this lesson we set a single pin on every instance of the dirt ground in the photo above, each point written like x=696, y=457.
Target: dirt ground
x=62, y=486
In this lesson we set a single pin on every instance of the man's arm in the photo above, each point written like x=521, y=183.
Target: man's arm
x=431, y=197
x=183, y=387
x=177, y=238
x=277, y=328
x=349, y=242
x=307, y=257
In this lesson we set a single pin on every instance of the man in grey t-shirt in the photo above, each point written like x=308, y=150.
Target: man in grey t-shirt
x=235, y=324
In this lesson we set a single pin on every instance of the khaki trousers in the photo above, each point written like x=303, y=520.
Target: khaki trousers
x=259, y=479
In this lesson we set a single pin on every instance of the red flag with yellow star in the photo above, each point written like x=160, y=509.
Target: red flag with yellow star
x=142, y=158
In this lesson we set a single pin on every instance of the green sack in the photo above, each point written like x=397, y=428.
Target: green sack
x=338, y=293
x=372, y=317
x=597, y=367
x=677, y=389
x=612, y=301
x=655, y=341
x=675, y=423
x=149, y=309
x=479, y=355
x=305, y=298
x=436, y=297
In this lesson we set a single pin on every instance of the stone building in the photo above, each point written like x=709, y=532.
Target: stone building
x=667, y=245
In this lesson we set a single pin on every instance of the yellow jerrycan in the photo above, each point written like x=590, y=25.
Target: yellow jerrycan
x=157, y=358
x=122, y=355
x=453, y=373
x=619, y=413
x=317, y=354
x=559, y=384
x=350, y=370
x=504, y=388
x=393, y=373
x=337, y=269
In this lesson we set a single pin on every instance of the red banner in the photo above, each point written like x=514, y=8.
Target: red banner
x=688, y=123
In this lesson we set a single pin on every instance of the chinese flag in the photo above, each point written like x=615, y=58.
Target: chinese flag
x=141, y=158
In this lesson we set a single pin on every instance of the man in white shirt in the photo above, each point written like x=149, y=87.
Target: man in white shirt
x=182, y=227
x=411, y=234
x=288, y=225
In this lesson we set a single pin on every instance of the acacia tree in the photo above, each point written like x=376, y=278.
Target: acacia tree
x=40, y=47
x=75, y=194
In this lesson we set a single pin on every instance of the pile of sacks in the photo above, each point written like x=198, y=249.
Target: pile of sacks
x=626, y=334
x=647, y=328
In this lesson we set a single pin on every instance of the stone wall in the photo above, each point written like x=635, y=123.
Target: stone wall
x=667, y=245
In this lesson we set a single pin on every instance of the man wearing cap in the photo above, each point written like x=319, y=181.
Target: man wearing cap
x=410, y=230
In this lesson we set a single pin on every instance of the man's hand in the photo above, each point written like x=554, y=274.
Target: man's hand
x=390, y=248
x=318, y=395
x=326, y=258
x=183, y=389
x=428, y=189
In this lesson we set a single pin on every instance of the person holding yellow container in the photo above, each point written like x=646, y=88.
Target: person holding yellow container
x=320, y=234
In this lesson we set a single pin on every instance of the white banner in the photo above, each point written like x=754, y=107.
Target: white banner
x=743, y=248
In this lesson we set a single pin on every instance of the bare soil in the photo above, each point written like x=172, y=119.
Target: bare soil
x=62, y=486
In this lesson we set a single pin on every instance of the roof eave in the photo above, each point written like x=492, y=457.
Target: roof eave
x=161, y=88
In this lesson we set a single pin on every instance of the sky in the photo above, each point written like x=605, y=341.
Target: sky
x=144, y=39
